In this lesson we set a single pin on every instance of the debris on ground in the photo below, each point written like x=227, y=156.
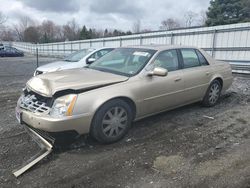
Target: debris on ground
x=208, y=117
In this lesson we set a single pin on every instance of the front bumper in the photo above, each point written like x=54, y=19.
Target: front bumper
x=78, y=123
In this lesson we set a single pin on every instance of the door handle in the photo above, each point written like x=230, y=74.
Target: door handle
x=177, y=79
x=207, y=73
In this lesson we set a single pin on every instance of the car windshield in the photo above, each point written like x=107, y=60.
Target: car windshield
x=124, y=61
x=78, y=55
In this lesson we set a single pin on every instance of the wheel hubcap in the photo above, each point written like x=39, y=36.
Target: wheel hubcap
x=214, y=93
x=114, y=121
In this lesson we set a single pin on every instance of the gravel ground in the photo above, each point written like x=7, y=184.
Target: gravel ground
x=180, y=148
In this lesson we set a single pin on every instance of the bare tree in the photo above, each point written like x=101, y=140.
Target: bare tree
x=190, y=18
x=170, y=23
x=31, y=34
x=202, y=18
x=6, y=34
x=24, y=23
x=48, y=31
x=136, y=28
x=18, y=32
x=3, y=18
x=59, y=36
x=71, y=30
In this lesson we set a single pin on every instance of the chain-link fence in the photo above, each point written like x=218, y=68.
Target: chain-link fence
x=228, y=42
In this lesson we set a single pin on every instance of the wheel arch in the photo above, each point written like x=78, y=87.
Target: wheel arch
x=126, y=99
x=219, y=78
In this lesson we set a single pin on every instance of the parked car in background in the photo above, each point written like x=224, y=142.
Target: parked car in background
x=8, y=51
x=123, y=86
x=1, y=46
x=77, y=59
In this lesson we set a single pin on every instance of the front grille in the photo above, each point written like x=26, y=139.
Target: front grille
x=35, y=103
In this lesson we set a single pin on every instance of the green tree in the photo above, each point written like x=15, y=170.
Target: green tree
x=246, y=10
x=90, y=34
x=223, y=12
x=84, y=33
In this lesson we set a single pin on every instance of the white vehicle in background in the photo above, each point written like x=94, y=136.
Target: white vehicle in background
x=77, y=59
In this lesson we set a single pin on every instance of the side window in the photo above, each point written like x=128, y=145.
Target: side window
x=202, y=59
x=190, y=59
x=100, y=53
x=114, y=60
x=167, y=60
x=103, y=52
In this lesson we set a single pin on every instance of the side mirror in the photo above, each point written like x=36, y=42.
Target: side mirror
x=158, y=71
x=91, y=60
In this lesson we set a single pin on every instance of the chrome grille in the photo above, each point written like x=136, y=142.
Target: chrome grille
x=30, y=103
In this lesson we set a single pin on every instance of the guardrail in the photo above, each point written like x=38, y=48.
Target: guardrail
x=228, y=42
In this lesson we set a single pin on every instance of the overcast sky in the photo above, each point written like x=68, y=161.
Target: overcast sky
x=102, y=14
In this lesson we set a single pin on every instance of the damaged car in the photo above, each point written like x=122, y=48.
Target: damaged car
x=127, y=84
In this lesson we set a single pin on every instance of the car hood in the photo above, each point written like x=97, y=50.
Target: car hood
x=56, y=66
x=74, y=79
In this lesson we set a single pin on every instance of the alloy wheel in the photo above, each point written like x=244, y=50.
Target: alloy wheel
x=114, y=122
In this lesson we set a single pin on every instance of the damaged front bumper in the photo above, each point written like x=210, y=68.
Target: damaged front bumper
x=77, y=123
x=46, y=149
x=45, y=140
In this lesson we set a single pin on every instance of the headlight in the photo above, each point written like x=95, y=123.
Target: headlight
x=63, y=106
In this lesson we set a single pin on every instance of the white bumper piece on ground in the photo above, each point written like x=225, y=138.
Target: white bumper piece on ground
x=46, y=149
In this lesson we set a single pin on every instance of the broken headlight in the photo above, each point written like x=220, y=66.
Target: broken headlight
x=63, y=106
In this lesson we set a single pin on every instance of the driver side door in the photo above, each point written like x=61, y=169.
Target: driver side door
x=162, y=93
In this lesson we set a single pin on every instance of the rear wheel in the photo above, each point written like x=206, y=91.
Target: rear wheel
x=213, y=94
x=112, y=121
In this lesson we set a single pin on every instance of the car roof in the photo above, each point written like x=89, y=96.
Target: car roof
x=159, y=47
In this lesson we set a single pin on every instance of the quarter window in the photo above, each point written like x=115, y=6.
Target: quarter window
x=167, y=60
x=190, y=58
x=202, y=59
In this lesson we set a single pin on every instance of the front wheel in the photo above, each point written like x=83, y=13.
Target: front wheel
x=213, y=94
x=112, y=121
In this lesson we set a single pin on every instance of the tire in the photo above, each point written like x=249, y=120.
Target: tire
x=112, y=121
x=213, y=94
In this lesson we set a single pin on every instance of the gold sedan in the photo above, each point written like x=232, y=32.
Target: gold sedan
x=123, y=86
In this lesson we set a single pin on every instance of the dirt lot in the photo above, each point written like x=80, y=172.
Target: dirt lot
x=180, y=148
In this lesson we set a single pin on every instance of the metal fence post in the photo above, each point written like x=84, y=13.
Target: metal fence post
x=141, y=42
x=37, y=63
x=64, y=48
x=120, y=41
x=172, y=39
x=214, y=43
x=103, y=43
x=52, y=49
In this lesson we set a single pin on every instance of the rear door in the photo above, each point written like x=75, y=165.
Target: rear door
x=196, y=73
